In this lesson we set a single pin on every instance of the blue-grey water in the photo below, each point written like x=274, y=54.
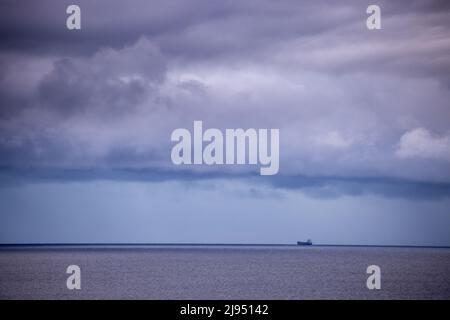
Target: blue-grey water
x=224, y=272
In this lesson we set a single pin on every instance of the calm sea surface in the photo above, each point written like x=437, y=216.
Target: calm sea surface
x=231, y=272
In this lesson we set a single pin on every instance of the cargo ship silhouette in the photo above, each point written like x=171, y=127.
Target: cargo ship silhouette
x=305, y=243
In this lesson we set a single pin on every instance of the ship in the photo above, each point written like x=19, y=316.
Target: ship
x=305, y=243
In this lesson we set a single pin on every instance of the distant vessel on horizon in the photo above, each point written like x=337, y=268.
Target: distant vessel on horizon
x=305, y=243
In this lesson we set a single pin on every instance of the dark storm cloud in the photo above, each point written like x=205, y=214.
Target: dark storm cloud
x=314, y=186
x=200, y=29
x=112, y=82
x=348, y=101
x=330, y=187
x=40, y=26
x=11, y=176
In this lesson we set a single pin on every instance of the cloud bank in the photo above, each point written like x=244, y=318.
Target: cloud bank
x=349, y=102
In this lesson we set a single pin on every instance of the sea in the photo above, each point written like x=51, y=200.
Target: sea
x=223, y=272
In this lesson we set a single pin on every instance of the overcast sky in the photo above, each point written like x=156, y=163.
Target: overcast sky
x=86, y=117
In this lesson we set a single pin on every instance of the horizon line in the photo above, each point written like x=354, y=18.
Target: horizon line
x=92, y=244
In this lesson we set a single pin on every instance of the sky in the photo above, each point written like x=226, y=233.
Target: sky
x=86, y=118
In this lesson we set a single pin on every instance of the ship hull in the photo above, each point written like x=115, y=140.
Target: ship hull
x=300, y=243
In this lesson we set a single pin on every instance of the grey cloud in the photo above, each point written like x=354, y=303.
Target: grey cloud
x=110, y=95
x=314, y=186
x=113, y=80
x=199, y=29
x=331, y=187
